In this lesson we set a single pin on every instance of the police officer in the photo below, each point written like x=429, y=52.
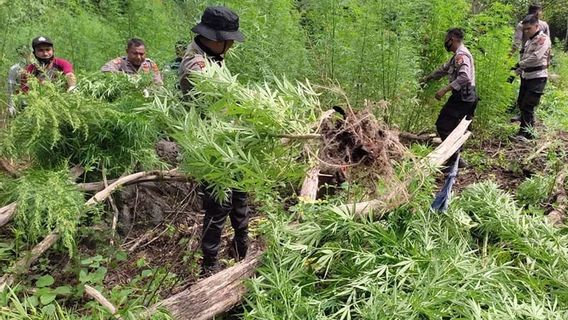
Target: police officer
x=533, y=69
x=519, y=38
x=461, y=74
x=216, y=33
x=134, y=62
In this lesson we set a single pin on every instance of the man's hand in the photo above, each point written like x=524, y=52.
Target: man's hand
x=442, y=92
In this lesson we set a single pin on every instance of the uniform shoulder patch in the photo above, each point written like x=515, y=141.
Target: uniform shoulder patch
x=541, y=40
x=460, y=59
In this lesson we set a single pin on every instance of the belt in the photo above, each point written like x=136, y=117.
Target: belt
x=532, y=69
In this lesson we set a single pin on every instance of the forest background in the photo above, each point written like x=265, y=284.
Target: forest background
x=376, y=52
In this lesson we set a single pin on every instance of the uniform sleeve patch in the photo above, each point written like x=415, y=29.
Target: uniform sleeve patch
x=541, y=41
x=459, y=59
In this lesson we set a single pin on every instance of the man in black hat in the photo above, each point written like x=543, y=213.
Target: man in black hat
x=48, y=67
x=216, y=33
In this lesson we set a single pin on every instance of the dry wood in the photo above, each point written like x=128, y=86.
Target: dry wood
x=307, y=136
x=558, y=214
x=429, y=137
x=310, y=185
x=211, y=296
x=103, y=194
x=24, y=263
x=7, y=167
x=7, y=212
x=95, y=294
x=98, y=186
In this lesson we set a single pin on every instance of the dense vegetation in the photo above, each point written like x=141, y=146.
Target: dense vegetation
x=491, y=256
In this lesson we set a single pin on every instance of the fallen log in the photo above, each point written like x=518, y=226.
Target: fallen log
x=558, y=214
x=211, y=296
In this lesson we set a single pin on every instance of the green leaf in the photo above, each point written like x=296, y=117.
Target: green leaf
x=45, y=281
x=47, y=298
x=147, y=273
x=121, y=256
x=32, y=301
x=48, y=309
x=63, y=290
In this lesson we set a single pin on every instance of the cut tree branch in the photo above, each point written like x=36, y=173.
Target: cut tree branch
x=95, y=294
x=7, y=212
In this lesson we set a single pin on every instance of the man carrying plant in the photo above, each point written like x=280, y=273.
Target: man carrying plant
x=461, y=74
x=216, y=33
x=15, y=76
x=48, y=67
x=533, y=69
x=134, y=62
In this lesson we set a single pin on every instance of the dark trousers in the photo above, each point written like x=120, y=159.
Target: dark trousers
x=529, y=97
x=215, y=215
x=450, y=117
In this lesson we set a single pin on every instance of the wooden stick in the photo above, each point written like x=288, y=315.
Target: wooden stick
x=114, y=208
x=7, y=212
x=25, y=262
x=309, y=189
x=98, y=186
x=556, y=217
x=95, y=294
x=103, y=194
x=301, y=136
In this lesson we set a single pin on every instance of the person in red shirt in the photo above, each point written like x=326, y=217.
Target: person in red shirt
x=48, y=67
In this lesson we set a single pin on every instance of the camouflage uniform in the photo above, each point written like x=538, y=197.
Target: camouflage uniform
x=461, y=74
x=194, y=60
x=121, y=64
x=533, y=69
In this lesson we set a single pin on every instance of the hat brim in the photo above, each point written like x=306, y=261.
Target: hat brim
x=217, y=35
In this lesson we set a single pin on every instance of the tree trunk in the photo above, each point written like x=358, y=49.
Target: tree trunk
x=211, y=296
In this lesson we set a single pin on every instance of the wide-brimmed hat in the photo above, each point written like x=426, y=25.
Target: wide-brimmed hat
x=41, y=40
x=219, y=24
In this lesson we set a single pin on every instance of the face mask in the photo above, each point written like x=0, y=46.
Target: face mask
x=448, y=45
